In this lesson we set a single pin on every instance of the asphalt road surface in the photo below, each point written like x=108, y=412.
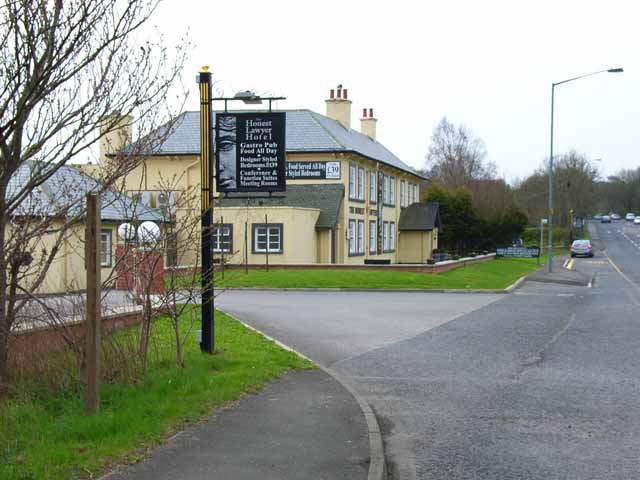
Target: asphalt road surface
x=540, y=384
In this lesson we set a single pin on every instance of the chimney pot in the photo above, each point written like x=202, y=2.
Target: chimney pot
x=339, y=93
x=345, y=94
x=370, y=113
x=364, y=113
x=332, y=93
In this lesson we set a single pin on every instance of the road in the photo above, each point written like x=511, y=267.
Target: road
x=540, y=384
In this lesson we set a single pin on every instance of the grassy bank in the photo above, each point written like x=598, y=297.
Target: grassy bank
x=495, y=274
x=48, y=436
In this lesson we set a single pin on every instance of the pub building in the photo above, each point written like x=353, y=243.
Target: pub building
x=348, y=199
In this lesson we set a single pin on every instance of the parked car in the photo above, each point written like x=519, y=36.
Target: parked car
x=605, y=219
x=597, y=216
x=636, y=221
x=629, y=217
x=615, y=216
x=581, y=247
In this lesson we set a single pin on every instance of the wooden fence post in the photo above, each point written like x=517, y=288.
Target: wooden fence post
x=93, y=314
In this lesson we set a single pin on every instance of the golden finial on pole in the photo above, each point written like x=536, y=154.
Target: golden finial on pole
x=205, y=68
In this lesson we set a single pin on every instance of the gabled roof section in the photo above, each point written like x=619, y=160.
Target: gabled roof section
x=64, y=193
x=420, y=217
x=307, y=132
x=325, y=197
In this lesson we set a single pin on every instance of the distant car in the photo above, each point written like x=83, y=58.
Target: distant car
x=597, y=217
x=581, y=247
x=605, y=219
x=615, y=216
x=629, y=217
x=636, y=221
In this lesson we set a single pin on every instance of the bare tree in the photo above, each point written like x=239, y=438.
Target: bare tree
x=65, y=68
x=456, y=157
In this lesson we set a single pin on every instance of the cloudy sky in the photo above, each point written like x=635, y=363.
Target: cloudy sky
x=488, y=64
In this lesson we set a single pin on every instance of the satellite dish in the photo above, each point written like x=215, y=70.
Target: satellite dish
x=148, y=232
x=127, y=232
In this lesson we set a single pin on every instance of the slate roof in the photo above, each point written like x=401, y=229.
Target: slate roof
x=420, y=217
x=325, y=197
x=64, y=193
x=307, y=132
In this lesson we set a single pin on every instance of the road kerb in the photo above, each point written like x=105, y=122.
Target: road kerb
x=377, y=463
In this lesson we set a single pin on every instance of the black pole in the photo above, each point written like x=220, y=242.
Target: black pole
x=207, y=342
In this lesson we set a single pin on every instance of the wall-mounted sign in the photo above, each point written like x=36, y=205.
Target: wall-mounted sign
x=380, y=201
x=313, y=170
x=519, y=252
x=250, y=152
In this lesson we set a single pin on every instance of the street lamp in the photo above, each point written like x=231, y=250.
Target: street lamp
x=550, y=216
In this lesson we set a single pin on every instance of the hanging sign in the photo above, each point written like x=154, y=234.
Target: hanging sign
x=250, y=152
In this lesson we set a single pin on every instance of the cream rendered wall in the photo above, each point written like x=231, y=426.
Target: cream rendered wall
x=413, y=247
x=300, y=239
x=324, y=246
x=66, y=273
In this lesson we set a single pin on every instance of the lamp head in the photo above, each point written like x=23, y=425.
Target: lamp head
x=616, y=70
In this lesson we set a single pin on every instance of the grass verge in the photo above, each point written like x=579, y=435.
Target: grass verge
x=47, y=436
x=497, y=274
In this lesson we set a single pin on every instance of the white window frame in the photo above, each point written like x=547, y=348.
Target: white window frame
x=385, y=189
x=361, y=183
x=108, y=235
x=392, y=236
x=385, y=236
x=218, y=238
x=269, y=227
x=353, y=172
x=392, y=190
x=403, y=202
x=416, y=195
x=373, y=185
x=361, y=236
x=352, y=237
x=373, y=236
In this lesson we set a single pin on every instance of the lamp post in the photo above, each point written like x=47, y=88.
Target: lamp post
x=550, y=215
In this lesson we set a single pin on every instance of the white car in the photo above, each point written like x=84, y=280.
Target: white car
x=630, y=217
x=636, y=221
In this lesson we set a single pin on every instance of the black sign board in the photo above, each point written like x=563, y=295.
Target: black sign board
x=380, y=200
x=250, y=152
x=313, y=170
x=519, y=252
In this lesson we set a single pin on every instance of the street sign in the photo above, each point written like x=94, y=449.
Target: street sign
x=518, y=252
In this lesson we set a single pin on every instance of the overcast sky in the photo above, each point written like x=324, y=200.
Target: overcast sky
x=488, y=64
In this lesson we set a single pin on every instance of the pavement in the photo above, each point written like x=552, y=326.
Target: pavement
x=561, y=275
x=305, y=425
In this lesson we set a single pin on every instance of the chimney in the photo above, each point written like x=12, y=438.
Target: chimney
x=339, y=106
x=368, y=123
x=115, y=131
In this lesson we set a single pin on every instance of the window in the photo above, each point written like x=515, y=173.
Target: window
x=385, y=189
x=392, y=236
x=352, y=181
x=361, y=184
x=411, y=193
x=171, y=250
x=385, y=236
x=416, y=196
x=372, y=187
x=361, y=236
x=392, y=190
x=352, y=237
x=403, y=202
x=267, y=237
x=373, y=233
x=105, y=248
x=222, y=238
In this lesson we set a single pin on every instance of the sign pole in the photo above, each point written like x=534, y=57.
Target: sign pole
x=207, y=343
